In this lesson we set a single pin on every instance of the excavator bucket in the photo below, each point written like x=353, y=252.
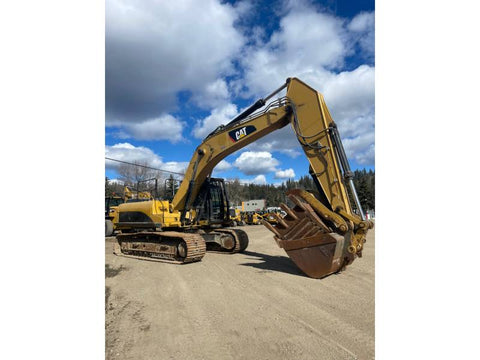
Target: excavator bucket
x=308, y=241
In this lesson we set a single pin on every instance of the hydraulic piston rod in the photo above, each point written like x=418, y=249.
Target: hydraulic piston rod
x=258, y=104
x=347, y=173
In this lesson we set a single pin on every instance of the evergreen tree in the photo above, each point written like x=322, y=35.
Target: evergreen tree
x=171, y=187
x=274, y=195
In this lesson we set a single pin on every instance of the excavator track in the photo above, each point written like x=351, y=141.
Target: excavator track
x=169, y=246
x=241, y=241
x=311, y=244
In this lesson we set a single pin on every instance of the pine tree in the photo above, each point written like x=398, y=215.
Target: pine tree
x=172, y=185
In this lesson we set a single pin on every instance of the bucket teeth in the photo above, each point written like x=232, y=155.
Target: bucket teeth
x=309, y=212
x=289, y=212
x=271, y=228
x=308, y=241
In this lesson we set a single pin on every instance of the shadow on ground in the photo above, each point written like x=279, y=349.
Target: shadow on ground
x=107, y=296
x=273, y=263
x=111, y=272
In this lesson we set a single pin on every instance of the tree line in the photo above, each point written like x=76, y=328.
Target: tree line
x=140, y=177
x=363, y=180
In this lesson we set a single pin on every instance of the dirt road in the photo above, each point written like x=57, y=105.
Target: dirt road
x=255, y=305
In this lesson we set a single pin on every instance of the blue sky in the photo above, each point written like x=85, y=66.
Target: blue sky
x=177, y=70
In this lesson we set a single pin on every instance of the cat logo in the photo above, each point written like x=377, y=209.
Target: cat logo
x=237, y=134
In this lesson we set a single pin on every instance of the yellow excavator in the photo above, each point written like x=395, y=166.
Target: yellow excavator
x=321, y=234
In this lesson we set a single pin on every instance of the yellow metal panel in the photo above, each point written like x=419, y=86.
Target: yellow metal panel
x=313, y=120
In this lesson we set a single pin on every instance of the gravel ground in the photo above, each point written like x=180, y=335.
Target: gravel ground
x=255, y=305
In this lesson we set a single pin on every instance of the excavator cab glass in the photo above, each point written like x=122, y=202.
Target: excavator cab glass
x=212, y=202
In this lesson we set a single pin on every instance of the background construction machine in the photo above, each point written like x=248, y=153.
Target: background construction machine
x=143, y=190
x=236, y=216
x=111, y=212
x=252, y=218
x=322, y=235
x=272, y=214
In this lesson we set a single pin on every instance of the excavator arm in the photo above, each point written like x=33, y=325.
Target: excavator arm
x=221, y=143
x=321, y=234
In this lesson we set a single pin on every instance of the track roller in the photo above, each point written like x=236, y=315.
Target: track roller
x=169, y=246
x=238, y=237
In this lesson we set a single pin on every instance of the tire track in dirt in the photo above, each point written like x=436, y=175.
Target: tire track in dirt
x=290, y=302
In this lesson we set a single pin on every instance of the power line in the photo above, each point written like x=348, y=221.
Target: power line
x=168, y=171
x=145, y=166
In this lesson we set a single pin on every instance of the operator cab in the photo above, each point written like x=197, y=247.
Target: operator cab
x=211, y=203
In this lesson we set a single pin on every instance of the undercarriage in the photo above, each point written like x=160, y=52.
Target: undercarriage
x=180, y=247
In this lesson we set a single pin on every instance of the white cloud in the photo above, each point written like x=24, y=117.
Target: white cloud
x=350, y=97
x=129, y=153
x=258, y=180
x=253, y=163
x=218, y=117
x=141, y=155
x=154, y=49
x=361, y=148
x=323, y=30
x=363, y=27
x=362, y=22
x=285, y=174
x=116, y=181
x=326, y=41
x=175, y=166
x=323, y=46
x=366, y=157
x=350, y=94
x=165, y=127
x=283, y=141
x=214, y=94
x=223, y=165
